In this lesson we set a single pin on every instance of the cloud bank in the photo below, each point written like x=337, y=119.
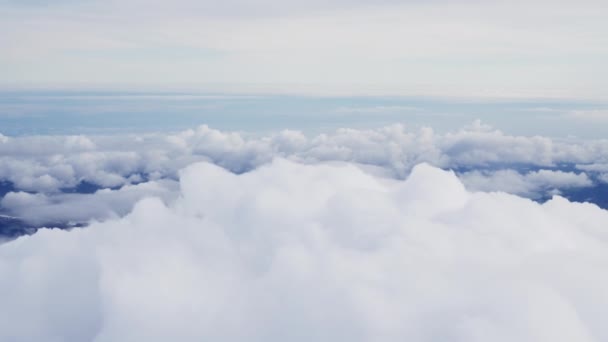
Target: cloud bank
x=315, y=252
x=50, y=163
x=117, y=171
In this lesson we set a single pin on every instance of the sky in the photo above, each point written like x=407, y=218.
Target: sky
x=119, y=112
x=51, y=179
x=529, y=49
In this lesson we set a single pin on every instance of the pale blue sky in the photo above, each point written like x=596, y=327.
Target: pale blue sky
x=471, y=49
x=83, y=112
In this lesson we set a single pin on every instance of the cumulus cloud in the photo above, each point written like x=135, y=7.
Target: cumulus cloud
x=49, y=163
x=315, y=252
x=40, y=169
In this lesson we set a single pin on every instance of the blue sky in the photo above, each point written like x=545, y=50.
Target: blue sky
x=490, y=49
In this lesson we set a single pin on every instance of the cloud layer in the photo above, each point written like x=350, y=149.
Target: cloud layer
x=389, y=47
x=315, y=252
x=37, y=171
x=49, y=163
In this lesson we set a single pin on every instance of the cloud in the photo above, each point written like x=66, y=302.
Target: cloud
x=44, y=173
x=315, y=252
x=349, y=47
x=603, y=177
x=48, y=163
x=39, y=209
x=533, y=184
x=593, y=167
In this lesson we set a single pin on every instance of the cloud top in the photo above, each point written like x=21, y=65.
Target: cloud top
x=40, y=176
x=49, y=163
x=315, y=252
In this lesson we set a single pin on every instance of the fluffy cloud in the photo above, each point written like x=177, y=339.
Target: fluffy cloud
x=41, y=168
x=532, y=184
x=49, y=163
x=315, y=252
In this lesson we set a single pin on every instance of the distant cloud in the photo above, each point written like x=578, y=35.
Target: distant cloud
x=39, y=209
x=533, y=184
x=594, y=167
x=49, y=163
x=129, y=167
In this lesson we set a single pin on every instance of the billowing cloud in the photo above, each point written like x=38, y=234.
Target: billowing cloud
x=49, y=163
x=126, y=168
x=315, y=252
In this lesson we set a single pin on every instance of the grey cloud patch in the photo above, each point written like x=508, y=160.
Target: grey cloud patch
x=38, y=209
x=534, y=184
x=593, y=167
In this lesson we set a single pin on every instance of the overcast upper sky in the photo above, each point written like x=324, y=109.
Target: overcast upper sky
x=532, y=48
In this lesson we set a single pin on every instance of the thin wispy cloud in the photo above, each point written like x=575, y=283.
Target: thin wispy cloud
x=532, y=49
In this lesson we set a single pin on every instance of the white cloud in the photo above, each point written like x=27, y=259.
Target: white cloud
x=45, y=165
x=48, y=163
x=318, y=252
